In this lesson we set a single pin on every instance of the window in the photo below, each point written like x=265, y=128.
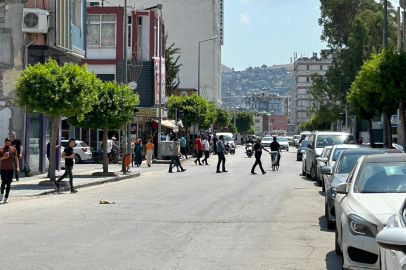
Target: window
x=257, y=129
x=77, y=13
x=307, y=67
x=129, y=30
x=281, y=121
x=307, y=79
x=271, y=121
x=321, y=67
x=101, y=30
x=257, y=121
x=281, y=128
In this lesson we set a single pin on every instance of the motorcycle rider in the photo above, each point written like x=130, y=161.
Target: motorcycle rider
x=250, y=140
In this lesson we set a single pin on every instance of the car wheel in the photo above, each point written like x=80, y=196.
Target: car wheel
x=287, y=149
x=330, y=225
x=337, y=245
x=298, y=158
x=303, y=171
x=312, y=173
x=77, y=159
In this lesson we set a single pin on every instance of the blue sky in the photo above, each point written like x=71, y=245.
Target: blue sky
x=268, y=32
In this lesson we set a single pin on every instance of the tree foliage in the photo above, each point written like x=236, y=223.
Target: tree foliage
x=353, y=29
x=244, y=121
x=172, y=68
x=196, y=110
x=55, y=91
x=223, y=117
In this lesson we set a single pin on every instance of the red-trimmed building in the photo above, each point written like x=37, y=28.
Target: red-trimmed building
x=277, y=124
x=105, y=56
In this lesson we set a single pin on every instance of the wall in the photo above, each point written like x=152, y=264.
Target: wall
x=186, y=28
x=11, y=65
x=276, y=125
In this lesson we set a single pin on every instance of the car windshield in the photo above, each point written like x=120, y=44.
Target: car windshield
x=382, y=178
x=83, y=144
x=346, y=162
x=227, y=138
x=326, y=152
x=327, y=140
x=267, y=139
x=297, y=137
x=336, y=153
x=282, y=139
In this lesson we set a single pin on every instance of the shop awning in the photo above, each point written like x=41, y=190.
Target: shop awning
x=166, y=123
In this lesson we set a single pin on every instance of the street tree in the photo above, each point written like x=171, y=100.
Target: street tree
x=194, y=107
x=55, y=91
x=244, y=121
x=392, y=67
x=211, y=116
x=232, y=128
x=223, y=117
x=114, y=109
x=172, y=68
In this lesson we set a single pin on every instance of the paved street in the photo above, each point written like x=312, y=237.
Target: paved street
x=192, y=220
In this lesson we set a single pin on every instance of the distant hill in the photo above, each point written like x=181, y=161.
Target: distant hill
x=287, y=66
x=226, y=69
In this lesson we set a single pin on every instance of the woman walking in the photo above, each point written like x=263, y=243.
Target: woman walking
x=138, y=150
x=150, y=151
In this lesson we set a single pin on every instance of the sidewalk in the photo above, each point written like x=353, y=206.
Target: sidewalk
x=82, y=177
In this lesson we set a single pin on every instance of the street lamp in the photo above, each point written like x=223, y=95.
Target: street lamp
x=198, y=68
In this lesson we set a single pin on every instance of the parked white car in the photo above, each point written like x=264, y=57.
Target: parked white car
x=392, y=241
x=374, y=190
x=83, y=151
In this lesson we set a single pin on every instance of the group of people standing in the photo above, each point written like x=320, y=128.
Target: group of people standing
x=202, y=146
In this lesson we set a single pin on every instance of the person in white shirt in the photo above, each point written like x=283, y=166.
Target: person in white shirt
x=206, y=149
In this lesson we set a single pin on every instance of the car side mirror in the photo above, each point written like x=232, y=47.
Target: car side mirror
x=325, y=170
x=323, y=160
x=342, y=188
x=318, y=159
x=392, y=239
x=309, y=145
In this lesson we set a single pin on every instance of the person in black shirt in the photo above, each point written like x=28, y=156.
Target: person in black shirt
x=18, y=146
x=258, y=153
x=68, y=154
x=275, y=145
x=250, y=140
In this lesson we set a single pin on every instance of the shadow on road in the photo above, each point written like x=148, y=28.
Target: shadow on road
x=333, y=261
x=323, y=224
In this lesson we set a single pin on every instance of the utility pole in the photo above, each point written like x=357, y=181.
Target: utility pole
x=127, y=129
x=385, y=44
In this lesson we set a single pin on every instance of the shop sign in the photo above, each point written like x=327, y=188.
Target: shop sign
x=156, y=78
x=147, y=112
x=221, y=22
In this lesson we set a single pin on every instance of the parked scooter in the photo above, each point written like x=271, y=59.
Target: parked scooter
x=248, y=149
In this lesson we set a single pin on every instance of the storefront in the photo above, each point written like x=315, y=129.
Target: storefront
x=37, y=135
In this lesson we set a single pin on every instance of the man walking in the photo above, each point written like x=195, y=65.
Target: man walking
x=175, y=156
x=68, y=154
x=199, y=149
x=16, y=143
x=221, y=151
x=8, y=161
x=183, y=145
x=150, y=150
x=258, y=153
x=206, y=149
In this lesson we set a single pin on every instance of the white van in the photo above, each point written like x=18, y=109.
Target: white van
x=228, y=137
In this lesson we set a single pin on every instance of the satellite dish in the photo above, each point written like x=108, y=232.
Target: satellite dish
x=133, y=85
x=402, y=4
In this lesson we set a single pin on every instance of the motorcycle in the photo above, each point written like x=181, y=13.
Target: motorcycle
x=248, y=149
x=230, y=148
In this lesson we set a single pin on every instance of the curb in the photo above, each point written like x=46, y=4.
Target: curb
x=96, y=183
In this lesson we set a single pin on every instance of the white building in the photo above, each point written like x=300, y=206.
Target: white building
x=187, y=23
x=301, y=82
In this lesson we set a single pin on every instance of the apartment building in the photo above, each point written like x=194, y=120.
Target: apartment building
x=188, y=23
x=32, y=32
x=263, y=101
x=301, y=82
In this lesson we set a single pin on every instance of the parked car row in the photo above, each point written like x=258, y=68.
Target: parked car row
x=364, y=198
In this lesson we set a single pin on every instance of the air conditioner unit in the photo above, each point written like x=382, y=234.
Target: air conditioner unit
x=35, y=20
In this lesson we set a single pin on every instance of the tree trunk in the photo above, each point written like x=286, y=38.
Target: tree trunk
x=52, y=149
x=371, y=137
x=385, y=130
x=401, y=125
x=389, y=129
x=105, y=158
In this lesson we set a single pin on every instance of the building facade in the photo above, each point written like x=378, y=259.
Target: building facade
x=32, y=32
x=277, y=124
x=263, y=101
x=187, y=23
x=301, y=82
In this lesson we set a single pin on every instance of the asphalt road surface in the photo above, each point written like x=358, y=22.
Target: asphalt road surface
x=192, y=220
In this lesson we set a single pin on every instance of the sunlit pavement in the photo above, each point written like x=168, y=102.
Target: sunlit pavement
x=192, y=220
